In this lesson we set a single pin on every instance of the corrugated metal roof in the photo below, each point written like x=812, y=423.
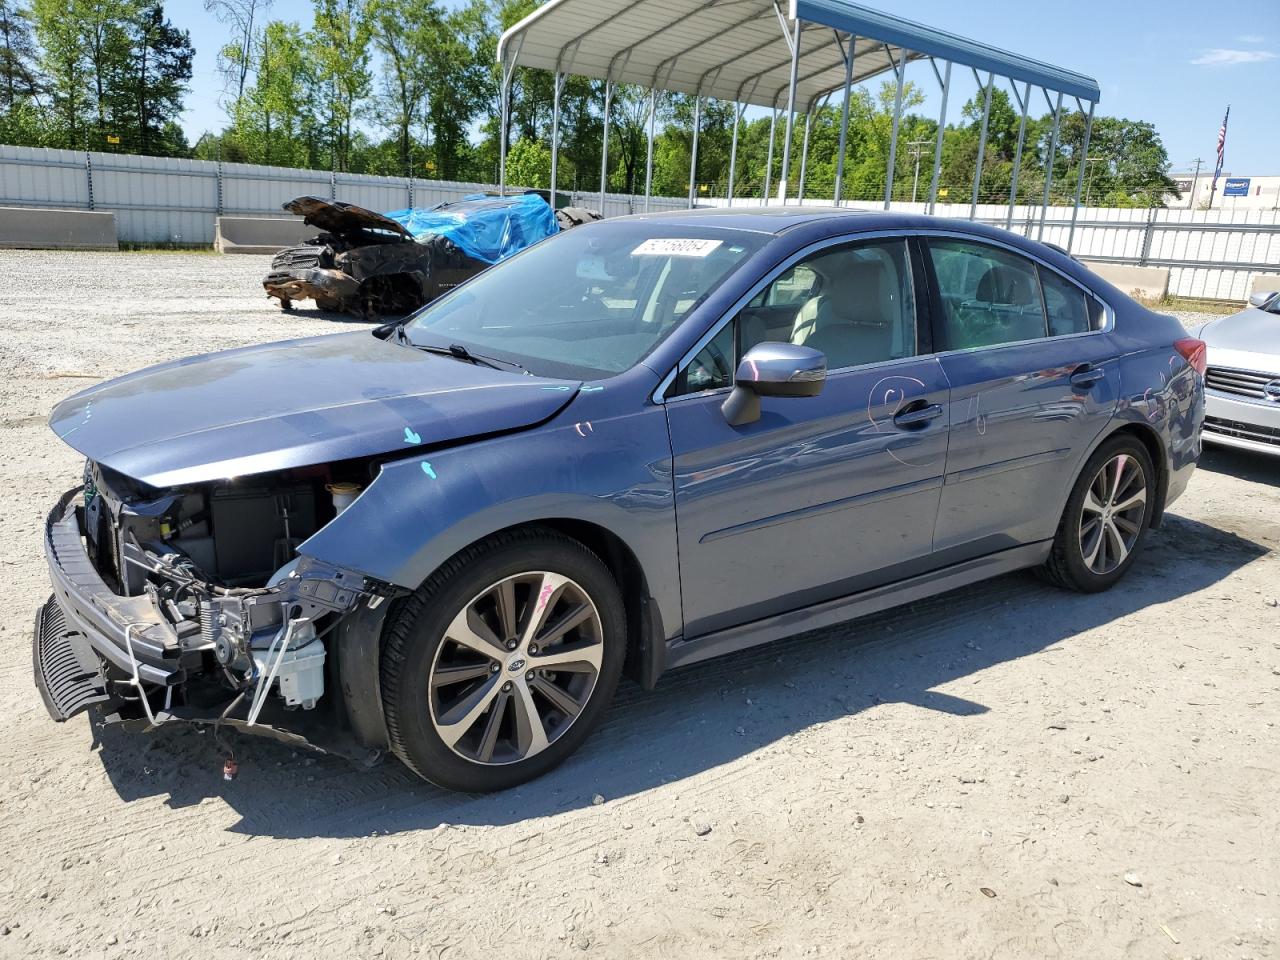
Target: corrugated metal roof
x=946, y=46
x=735, y=50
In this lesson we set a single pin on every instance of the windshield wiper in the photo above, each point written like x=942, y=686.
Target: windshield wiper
x=459, y=352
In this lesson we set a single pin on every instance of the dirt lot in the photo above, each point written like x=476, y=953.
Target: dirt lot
x=862, y=785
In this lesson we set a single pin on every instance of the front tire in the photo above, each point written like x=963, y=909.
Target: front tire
x=1106, y=518
x=498, y=667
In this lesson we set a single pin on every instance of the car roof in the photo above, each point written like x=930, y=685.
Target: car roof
x=773, y=220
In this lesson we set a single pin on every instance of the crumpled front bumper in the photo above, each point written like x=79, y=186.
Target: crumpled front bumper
x=90, y=645
x=311, y=283
x=84, y=618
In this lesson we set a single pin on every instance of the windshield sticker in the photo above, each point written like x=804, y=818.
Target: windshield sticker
x=675, y=247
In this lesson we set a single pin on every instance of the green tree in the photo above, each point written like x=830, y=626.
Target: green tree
x=406, y=34
x=154, y=82
x=236, y=58
x=339, y=45
x=20, y=80
x=462, y=88
x=276, y=121
x=64, y=59
x=529, y=164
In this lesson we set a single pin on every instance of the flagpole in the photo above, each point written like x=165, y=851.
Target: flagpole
x=1222, y=150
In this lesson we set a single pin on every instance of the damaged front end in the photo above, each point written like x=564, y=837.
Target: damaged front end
x=192, y=604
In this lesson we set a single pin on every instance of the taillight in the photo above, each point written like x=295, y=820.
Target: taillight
x=1194, y=352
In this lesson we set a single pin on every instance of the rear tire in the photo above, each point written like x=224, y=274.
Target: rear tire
x=483, y=686
x=1106, y=518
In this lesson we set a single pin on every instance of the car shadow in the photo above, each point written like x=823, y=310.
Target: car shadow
x=699, y=718
x=1242, y=464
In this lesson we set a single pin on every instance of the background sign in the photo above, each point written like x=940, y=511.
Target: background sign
x=1236, y=187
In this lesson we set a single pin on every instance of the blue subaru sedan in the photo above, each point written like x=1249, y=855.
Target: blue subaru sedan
x=640, y=444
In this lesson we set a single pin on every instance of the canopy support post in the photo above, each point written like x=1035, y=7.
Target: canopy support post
x=982, y=143
x=738, y=110
x=844, y=117
x=1048, y=170
x=804, y=155
x=604, y=143
x=1025, y=103
x=791, y=109
x=1084, y=156
x=937, y=146
x=508, y=74
x=648, y=163
x=768, y=163
x=555, y=131
x=693, y=153
x=900, y=68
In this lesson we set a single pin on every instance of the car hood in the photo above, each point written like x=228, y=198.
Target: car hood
x=337, y=217
x=294, y=404
x=1250, y=331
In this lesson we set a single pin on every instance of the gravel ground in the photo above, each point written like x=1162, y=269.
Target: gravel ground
x=1007, y=771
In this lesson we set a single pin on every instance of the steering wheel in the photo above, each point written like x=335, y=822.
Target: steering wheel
x=709, y=369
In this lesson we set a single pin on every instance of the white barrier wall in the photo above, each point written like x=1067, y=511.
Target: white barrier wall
x=1214, y=254
x=168, y=200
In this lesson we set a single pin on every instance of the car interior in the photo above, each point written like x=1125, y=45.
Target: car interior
x=855, y=304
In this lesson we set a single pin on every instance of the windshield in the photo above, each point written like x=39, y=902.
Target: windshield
x=1272, y=305
x=588, y=303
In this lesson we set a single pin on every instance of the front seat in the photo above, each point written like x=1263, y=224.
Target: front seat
x=851, y=322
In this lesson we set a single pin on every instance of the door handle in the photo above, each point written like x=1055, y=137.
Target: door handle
x=1086, y=376
x=915, y=417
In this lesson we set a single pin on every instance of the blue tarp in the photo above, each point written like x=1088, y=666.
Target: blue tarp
x=484, y=227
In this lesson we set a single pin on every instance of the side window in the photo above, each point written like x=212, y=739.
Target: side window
x=989, y=296
x=794, y=287
x=855, y=303
x=713, y=365
x=858, y=307
x=1067, y=305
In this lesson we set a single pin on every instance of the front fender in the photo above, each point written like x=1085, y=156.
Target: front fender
x=613, y=471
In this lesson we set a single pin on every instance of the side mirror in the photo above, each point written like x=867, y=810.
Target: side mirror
x=1262, y=298
x=773, y=370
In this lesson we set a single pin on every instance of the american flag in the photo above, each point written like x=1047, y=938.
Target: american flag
x=1222, y=148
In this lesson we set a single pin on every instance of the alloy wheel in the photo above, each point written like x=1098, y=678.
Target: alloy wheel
x=516, y=667
x=1112, y=514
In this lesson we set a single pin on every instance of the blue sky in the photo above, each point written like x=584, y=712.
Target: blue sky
x=1176, y=65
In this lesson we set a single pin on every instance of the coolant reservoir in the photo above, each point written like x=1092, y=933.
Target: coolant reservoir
x=343, y=494
x=300, y=674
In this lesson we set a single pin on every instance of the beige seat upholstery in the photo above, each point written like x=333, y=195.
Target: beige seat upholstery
x=852, y=319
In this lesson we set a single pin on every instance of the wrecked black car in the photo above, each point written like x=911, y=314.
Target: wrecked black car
x=376, y=265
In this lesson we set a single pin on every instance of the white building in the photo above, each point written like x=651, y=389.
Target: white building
x=1234, y=193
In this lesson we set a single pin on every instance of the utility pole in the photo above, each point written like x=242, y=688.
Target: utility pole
x=1089, y=188
x=1195, y=179
x=915, y=146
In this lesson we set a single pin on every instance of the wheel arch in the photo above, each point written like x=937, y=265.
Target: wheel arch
x=1150, y=438
x=646, y=639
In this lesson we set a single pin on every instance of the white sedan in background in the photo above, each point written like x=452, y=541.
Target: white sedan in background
x=1242, y=383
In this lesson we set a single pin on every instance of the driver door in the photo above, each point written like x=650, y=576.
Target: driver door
x=823, y=496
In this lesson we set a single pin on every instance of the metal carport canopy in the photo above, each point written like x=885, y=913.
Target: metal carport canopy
x=737, y=50
x=751, y=52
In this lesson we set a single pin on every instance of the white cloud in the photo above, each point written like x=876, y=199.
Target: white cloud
x=1251, y=38
x=1218, y=57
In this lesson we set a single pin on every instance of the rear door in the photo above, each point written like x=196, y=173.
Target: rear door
x=1033, y=383
x=822, y=496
